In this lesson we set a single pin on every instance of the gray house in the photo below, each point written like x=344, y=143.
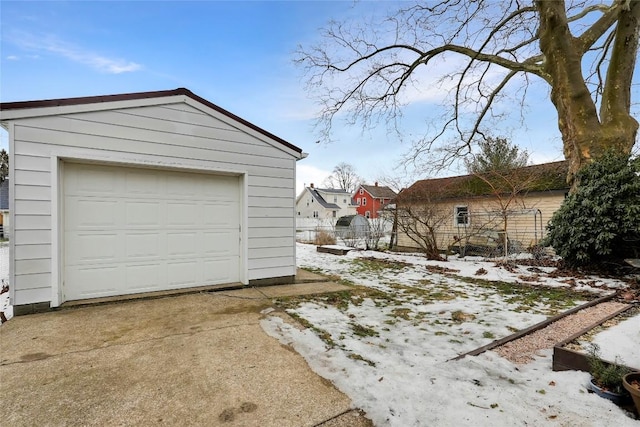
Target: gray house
x=143, y=192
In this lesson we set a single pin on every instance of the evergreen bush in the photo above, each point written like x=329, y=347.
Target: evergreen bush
x=600, y=221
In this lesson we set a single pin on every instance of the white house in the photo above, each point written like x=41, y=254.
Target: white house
x=143, y=192
x=324, y=203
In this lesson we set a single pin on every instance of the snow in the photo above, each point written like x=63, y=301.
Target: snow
x=621, y=341
x=392, y=355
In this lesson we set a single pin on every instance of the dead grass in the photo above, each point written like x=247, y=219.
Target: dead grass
x=324, y=238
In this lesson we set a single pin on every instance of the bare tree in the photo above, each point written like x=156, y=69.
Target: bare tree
x=344, y=176
x=584, y=51
x=420, y=219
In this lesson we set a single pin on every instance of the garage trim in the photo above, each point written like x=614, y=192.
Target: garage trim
x=57, y=217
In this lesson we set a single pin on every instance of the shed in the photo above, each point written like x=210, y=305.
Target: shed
x=352, y=227
x=143, y=192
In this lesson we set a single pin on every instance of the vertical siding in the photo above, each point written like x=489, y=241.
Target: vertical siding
x=177, y=134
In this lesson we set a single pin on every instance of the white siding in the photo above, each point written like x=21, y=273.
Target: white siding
x=174, y=135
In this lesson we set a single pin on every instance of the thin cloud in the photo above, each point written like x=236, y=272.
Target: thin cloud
x=13, y=58
x=76, y=54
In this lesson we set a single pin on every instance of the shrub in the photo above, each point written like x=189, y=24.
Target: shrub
x=607, y=376
x=600, y=221
x=324, y=238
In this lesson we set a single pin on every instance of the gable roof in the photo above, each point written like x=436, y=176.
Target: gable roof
x=543, y=177
x=316, y=195
x=23, y=105
x=379, y=191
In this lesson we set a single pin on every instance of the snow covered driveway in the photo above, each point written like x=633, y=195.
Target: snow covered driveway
x=387, y=343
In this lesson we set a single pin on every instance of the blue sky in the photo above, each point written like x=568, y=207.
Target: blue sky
x=238, y=55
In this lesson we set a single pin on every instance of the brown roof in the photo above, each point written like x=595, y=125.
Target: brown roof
x=140, y=95
x=379, y=192
x=544, y=177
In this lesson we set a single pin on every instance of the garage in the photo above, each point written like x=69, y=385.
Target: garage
x=130, y=230
x=116, y=195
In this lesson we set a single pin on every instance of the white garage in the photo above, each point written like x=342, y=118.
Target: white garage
x=145, y=192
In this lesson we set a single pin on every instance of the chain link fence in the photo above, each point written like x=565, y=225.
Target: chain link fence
x=487, y=238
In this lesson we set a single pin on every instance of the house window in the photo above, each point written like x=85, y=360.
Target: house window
x=358, y=201
x=315, y=214
x=461, y=215
x=364, y=201
x=298, y=213
x=361, y=191
x=335, y=199
x=334, y=214
x=344, y=201
x=367, y=214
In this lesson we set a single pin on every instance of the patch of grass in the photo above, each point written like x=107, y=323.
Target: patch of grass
x=429, y=293
x=340, y=300
x=363, y=331
x=460, y=316
x=403, y=313
x=488, y=334
x=377, y=265
x=322, y=334
x=528, y=297
x=356, y=356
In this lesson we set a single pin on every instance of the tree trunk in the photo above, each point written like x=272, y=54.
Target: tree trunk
x=585, y=134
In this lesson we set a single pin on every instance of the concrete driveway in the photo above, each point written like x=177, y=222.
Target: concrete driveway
x=193, y=359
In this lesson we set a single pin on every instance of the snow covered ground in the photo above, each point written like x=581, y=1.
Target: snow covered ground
x=388, y=345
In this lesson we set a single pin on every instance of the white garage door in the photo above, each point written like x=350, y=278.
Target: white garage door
x=130, y=230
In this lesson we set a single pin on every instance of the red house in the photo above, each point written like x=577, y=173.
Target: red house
x=370, y=199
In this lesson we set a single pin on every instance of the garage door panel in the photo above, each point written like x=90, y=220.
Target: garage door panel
x=143, y=245
x=90, y=213
x=143, y=278
x=143, y=213
x=147, y=229
x=140, y=183
x=182, y=214
x=182, y=244
x=96, y=282
x=218, y=242
x=220, y=270
x=183, y=185
x=91, y=248
x=222, y=214
x=182, y=274
x=87, y=180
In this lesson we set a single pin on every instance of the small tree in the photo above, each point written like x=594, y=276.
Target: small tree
x=376, y=231
x=4, y=165
x=600, y=221
x=344, y=176
x=500, y=166
x=419, y=220
x=497, y=155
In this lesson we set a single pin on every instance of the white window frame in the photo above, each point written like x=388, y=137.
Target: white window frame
x=457, y=216
x=364, y=201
